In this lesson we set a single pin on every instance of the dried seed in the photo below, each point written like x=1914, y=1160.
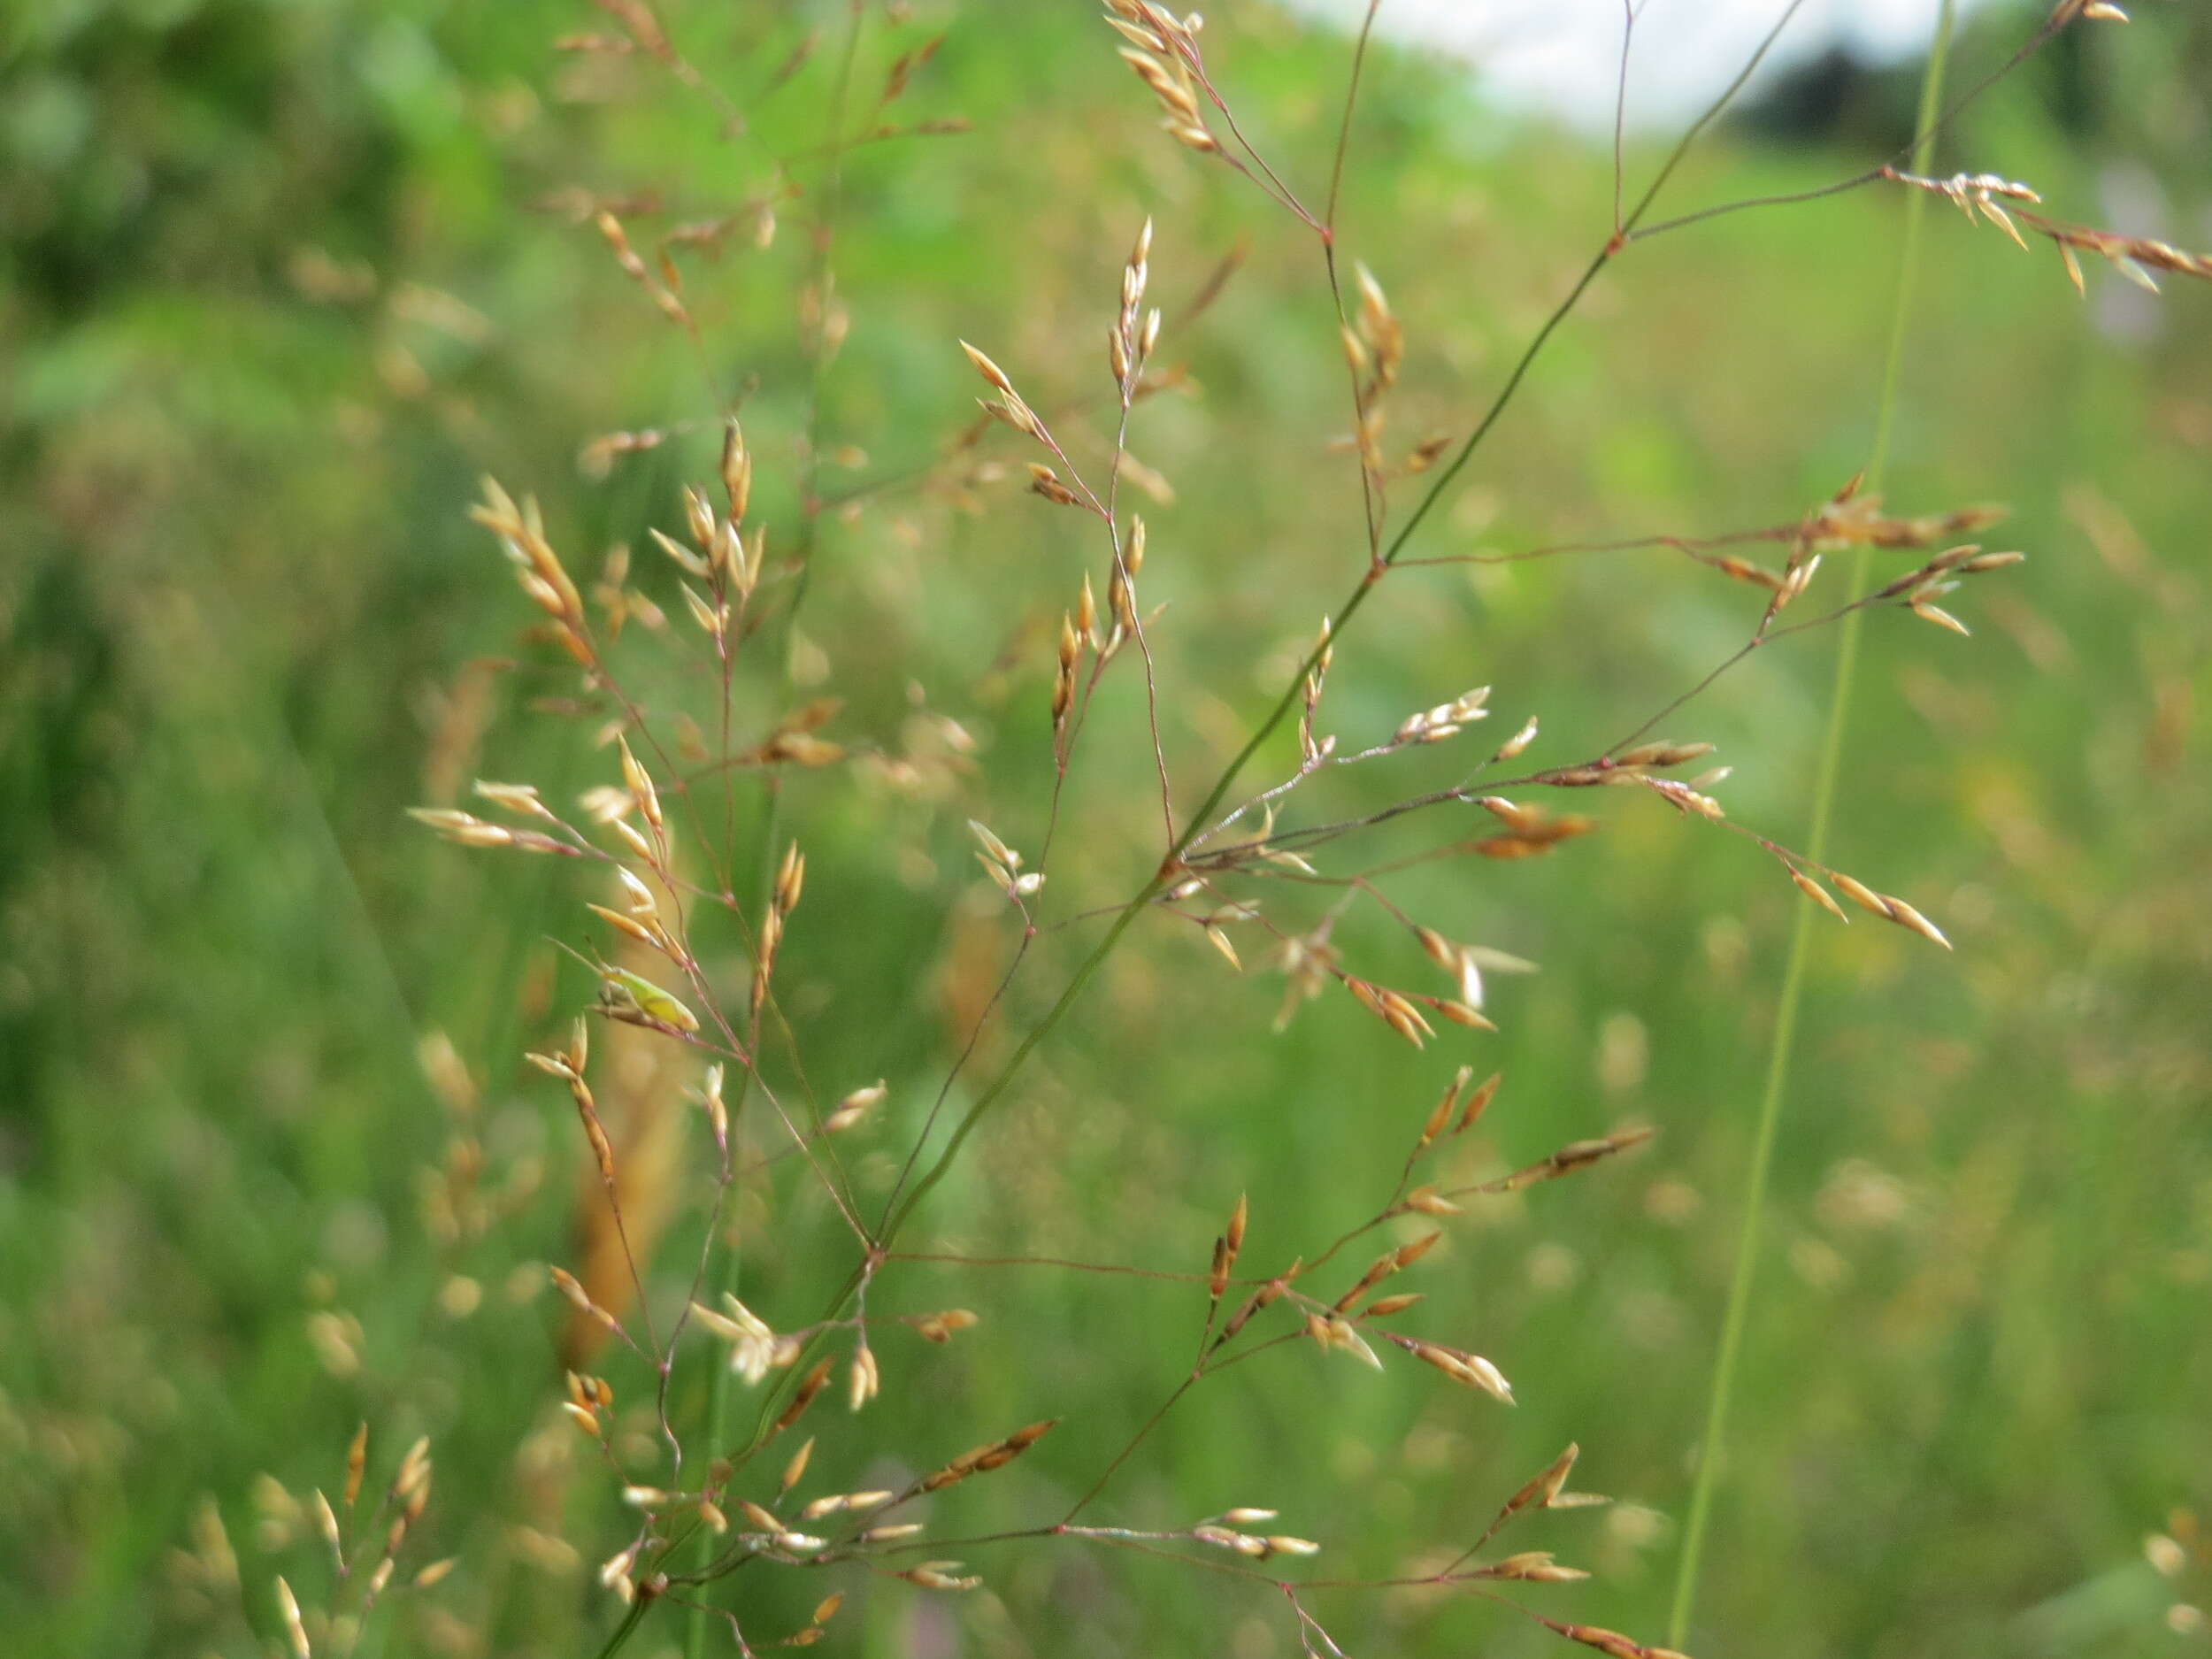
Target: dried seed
x=988, y=370
x=794, y=1470
x=294, y=1630
x=1478, y=1103
x=1818, y=895
x=1859, y=894
x=865, y=1380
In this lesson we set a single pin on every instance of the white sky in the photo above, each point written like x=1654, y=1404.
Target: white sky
x=1562, y=56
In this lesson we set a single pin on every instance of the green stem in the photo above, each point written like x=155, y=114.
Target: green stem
x=630, y=1622
x=1737, y=1315
x=1044, y=1028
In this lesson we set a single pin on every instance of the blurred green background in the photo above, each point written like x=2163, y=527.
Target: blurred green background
x=281, y=279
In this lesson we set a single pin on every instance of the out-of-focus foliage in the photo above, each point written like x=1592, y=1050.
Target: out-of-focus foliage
x=280, y=279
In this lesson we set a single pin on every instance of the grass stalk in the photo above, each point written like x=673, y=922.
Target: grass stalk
x=1737, y=1316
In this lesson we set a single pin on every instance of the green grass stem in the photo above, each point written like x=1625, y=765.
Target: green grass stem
x=1737, y=1316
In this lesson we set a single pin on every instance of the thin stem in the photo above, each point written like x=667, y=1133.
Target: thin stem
x=1122, y=1456
x=1620, y=105
x=1737, y=1314
x=622, y=1631
x=1063, y=1262
x=1344, y=123
x=1695, y=547
x=1371, y=507
x=999, y=1084
x=1114, y=540
x=1785, y=198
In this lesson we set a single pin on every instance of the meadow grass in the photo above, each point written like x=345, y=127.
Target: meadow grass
x=221, y=885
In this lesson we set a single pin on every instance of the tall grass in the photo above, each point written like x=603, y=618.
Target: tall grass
x=1231, y=866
